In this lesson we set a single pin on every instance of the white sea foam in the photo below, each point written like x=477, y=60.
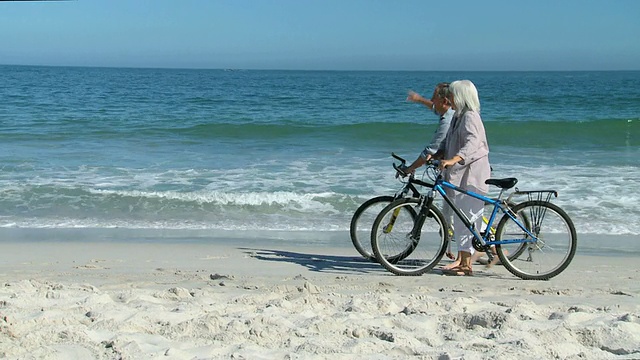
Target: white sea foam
x=294, y=196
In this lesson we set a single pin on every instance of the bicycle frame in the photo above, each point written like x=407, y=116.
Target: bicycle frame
x=498, y=206
x=409, y=187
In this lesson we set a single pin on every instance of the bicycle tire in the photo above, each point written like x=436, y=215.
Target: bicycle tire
x=362, y=221
x=554, y=249
x=409, y=257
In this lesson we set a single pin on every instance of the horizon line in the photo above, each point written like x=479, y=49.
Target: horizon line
x=318, y=70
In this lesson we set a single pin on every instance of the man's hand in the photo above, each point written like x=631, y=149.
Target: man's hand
x=405, y=171
x=413, y=97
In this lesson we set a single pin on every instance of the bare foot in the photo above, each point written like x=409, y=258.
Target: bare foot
x=496, y=259
x=454, y=264
x=477, y=257
x=459, y=271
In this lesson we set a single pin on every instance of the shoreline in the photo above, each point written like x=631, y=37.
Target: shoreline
x=588, y=244
x=252, y=299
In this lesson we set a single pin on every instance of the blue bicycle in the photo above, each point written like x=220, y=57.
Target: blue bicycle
x=542, y=233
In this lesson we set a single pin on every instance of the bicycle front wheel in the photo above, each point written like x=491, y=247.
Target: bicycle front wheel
x=361, y=222
x=555, y=243
x=397, y=249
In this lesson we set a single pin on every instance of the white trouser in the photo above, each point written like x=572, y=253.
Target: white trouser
x=473, y=209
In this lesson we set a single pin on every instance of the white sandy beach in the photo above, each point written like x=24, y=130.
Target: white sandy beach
x=144, y=300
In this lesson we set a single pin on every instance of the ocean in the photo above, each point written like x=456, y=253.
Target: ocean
x=228, y=152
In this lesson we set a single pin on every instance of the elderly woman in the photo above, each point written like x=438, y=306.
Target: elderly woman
x=465, y=160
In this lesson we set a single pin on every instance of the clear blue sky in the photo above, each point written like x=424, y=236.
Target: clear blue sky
x=325, y=34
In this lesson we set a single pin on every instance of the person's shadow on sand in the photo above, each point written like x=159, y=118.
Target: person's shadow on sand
x=339, y=264
x=317, y=262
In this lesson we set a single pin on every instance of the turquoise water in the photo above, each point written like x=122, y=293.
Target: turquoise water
x=291, y=151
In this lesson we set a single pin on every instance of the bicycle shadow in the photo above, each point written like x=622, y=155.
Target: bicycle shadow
x=337, y=264
x=353, y=265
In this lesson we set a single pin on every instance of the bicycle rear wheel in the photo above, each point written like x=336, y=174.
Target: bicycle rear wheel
x=397, y=250
x=555, y=246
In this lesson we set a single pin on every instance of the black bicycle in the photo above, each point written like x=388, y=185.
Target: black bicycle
x=365, y=215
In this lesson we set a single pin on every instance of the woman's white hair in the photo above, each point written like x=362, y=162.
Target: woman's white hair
x=465, y=96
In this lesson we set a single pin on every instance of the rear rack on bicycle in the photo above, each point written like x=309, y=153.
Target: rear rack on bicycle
x=541, y=195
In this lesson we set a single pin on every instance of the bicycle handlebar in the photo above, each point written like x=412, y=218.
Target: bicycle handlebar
x=403, y=161
x=401, y=169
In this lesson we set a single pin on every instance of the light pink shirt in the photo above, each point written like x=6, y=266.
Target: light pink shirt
x=467, y=138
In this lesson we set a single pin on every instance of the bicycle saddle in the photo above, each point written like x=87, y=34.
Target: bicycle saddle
x=506, y=183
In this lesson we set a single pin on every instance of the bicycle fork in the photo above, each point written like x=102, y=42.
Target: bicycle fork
x=387, y=228
x=425, y=205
